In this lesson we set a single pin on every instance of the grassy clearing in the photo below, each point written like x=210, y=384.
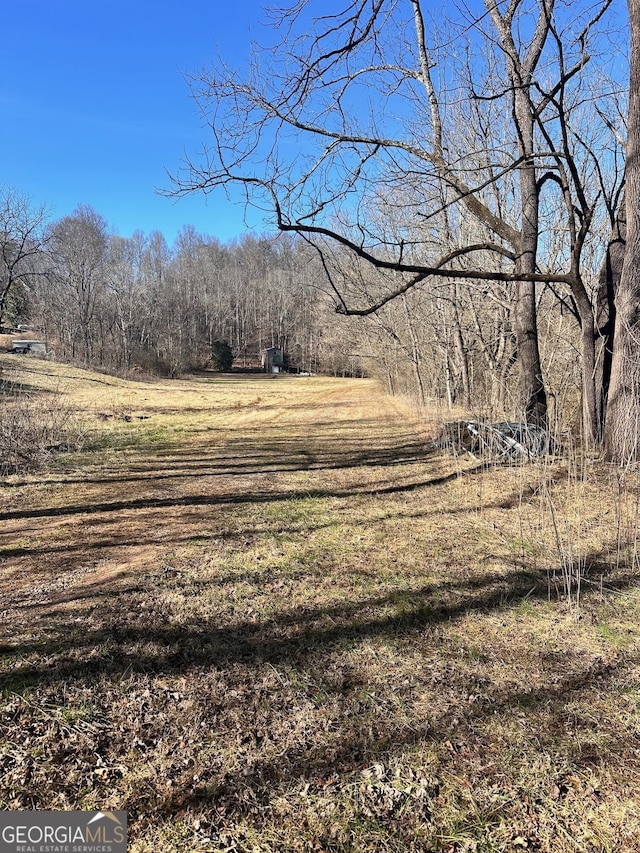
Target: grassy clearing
x=263, y=615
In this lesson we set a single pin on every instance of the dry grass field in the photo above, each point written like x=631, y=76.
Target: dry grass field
x=264, y=614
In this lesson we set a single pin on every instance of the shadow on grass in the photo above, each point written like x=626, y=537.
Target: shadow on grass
x=310, y=641
x=386, y=736
x=9, y=388
x=131, y=643
x=239, y=534
x=119, y=638
x=262, y=452
x=291, y=461
x=153, y=643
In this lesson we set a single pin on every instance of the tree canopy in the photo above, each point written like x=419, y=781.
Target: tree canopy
x=410, y=143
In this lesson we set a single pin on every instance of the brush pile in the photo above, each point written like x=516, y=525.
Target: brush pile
x=507, y=439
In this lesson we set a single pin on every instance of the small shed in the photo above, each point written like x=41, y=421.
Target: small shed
x=273, y=360
x=28, y=347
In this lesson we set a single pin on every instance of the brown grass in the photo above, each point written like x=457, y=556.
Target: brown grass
x=264, y=615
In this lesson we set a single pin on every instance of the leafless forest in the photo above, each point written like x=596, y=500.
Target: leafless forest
x=137, y=306
x=459, y=219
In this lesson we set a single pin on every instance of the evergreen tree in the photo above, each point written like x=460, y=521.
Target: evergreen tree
x=221, y=355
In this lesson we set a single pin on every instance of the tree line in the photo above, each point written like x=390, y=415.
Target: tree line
x=139, y=306
x=437, y=144
x=456, y=203
x=136, y=304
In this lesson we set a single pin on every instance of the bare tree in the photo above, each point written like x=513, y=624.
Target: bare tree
x=123, y=297
x=622, y=430
x=351, y=118
x=77, y=246
x=22, y=240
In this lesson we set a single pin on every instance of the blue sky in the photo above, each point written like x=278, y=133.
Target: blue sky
x=94, y=106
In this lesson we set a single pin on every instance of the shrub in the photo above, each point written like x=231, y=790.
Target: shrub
x=33, y=427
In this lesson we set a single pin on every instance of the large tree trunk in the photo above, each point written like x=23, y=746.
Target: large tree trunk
x=591, y=423
x=609, y=283
x=526, y=331
x=590, y=419
x=622, y=430
x=525, y=311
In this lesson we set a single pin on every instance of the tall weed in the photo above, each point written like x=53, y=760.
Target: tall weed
x=34, y=426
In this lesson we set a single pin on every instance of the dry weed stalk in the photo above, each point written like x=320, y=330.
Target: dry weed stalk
x=588, y=514
x=34, y=426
